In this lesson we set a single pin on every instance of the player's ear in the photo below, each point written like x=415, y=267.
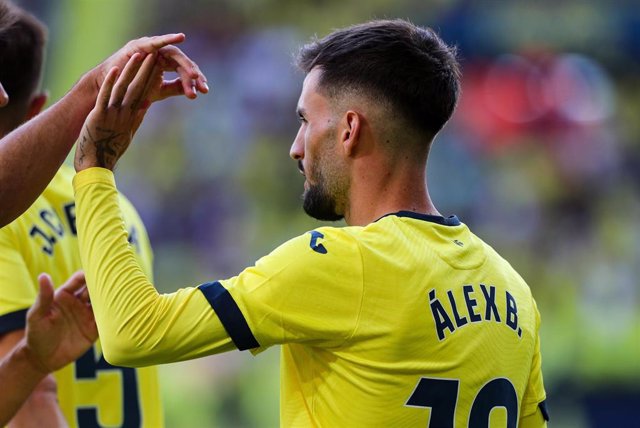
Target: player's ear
x=36, y=104
x=350, y=133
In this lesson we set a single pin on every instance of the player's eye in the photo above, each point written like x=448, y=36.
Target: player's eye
x=301, y=119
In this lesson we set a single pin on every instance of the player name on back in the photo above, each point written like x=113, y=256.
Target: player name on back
x=467, y=309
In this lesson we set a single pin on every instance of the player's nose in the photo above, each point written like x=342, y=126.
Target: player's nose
x=297, y=148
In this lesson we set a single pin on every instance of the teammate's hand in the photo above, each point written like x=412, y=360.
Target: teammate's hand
x=190, y=77
x=60, y=324
x=120, y=107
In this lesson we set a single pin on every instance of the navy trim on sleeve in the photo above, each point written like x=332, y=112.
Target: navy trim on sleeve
x=230, y=315
x=13, y=321
x=543, y=409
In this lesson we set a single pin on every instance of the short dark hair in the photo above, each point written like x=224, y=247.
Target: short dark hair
x=409, y=66
x=22, y=41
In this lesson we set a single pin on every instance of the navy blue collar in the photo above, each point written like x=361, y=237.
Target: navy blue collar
x=445, y=221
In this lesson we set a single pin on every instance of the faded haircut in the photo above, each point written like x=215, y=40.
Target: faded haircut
x=406, y=66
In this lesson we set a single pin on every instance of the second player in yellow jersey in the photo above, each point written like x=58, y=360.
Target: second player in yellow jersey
x=91, y=392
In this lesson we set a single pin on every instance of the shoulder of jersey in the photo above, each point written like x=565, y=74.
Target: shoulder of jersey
x=324, y=240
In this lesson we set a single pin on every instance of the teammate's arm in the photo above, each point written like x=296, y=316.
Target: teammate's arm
x=32, y=153
x=18, y=293
x=40, y=406
x=60, y=328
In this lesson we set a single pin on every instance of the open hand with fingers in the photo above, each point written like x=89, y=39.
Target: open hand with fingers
x=122, y=102
x=190, y=79
x=60, y=325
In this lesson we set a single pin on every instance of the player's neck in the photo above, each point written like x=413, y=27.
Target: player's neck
x=375, y=192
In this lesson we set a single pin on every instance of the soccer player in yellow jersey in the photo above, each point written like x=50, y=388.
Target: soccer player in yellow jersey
x=404, y=318
x=89, y=392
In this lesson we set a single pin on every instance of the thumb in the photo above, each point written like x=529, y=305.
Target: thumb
x=45, y=296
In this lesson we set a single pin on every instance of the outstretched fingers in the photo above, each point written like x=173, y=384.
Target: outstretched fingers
x=191, y=77
x=154, y=43
x=72, y=300
x=126, y=77
x=139, y=87
x=102, y=102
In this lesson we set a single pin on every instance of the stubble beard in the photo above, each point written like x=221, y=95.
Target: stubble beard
x=325, y=200
x=319, y=204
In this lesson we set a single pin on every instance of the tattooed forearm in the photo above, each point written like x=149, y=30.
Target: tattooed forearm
x=121, y=104
x=108, y=148
x=81, y=148
x=107, y=144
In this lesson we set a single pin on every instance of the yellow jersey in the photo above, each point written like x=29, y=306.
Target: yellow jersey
x=410, y=321
x=91, y=392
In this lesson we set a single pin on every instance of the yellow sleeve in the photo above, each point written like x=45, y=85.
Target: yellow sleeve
x=17, y=288
x=533, y=413
x=137, y=236
x=309, y=290
x=137, y=325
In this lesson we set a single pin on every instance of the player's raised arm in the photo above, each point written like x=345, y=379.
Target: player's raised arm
x=137, y=325
x=32, y=153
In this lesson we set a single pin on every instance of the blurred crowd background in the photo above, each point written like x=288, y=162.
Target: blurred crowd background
x=542, y=160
